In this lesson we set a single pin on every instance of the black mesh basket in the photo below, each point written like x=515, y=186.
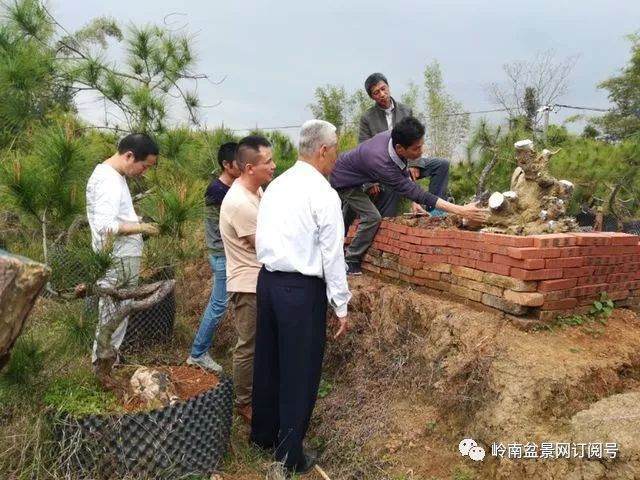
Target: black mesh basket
x=151, y=326
x=632, y=226
x=588, y=219
x=188, y=438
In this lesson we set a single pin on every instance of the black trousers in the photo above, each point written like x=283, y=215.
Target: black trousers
x=290, y=340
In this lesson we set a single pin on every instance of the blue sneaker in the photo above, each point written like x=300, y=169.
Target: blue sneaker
x=436, y=212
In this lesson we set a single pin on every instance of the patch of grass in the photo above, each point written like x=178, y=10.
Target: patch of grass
x=80, y=394
x=325, y=388
x=598, y=314
x=462, y=473
x=27, y=361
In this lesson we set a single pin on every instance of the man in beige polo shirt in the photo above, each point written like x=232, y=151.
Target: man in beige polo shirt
x=238, y=219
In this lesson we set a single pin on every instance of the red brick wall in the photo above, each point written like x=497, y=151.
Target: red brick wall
x=540, y=275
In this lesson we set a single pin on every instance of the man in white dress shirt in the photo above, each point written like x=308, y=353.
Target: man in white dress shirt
x=110, y=213
x=299, y=241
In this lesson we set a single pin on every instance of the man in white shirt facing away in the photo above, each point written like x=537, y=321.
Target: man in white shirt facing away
x=238, y=215
x=299, y=241
x=111, y=215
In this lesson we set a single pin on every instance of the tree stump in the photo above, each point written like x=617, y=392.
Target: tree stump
x=537, y=201
x=21, y=281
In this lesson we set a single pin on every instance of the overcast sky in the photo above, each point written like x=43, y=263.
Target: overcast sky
x=274, y=54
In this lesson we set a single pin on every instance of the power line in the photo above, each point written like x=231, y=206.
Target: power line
x=581, y=108
x=457, y=114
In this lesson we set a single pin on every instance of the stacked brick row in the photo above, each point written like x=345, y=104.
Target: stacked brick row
x=539, y=275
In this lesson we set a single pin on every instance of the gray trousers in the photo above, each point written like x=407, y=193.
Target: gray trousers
x=123, y=273
x=437, y=169
x=356, y=201
x=388, y=201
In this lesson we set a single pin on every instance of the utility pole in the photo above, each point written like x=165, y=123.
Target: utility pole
x=545, y=109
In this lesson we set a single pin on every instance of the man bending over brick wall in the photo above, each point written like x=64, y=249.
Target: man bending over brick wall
x=383, y=159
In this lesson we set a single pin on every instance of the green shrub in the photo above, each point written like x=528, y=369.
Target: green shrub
x=80, y=394
x=26, y=362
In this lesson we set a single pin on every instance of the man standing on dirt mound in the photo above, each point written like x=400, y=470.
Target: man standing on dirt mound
x=299, y=240
x=383, y=116
x=111, y=216
x=217, y=305
x=238, y=216
x=383, y=159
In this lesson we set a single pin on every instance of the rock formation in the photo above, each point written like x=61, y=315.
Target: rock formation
x=21, y=281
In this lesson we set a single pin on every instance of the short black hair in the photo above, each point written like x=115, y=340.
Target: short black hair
x=407, y=132
x=372, y=80
x=253, y=143
x=227, y=153
x=140, y=144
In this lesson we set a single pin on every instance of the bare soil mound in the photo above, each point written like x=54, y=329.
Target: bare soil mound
x=420, y=373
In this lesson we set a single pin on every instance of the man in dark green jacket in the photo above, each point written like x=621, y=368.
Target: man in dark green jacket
x=383, y=116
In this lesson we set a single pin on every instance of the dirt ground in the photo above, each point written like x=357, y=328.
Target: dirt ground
x=419, y=372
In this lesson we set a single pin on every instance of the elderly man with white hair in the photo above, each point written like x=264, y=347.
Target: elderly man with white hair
x=299, y=241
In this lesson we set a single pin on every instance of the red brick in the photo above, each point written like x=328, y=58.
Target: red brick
x=568, y=262
x=466, y=272
x=543, y=274
x=435, y=241
x=552, y=285
x=509, y=282
x=390, y=273
x=467, y=262
x=411, y=239
x=534, y=252
x=588, y=290
x=466, y=293
x=411, y=255
x=600, y=260
x=578, y=272
x=396, y=227
x=389, y=248
x=467, y=235
x=435, y=258
x=559, y=295
x=427, y=274
x=618, y=238
x=527, y=299
x=618, y=294
x=610, y=250
x=527, y=264
x=423, y=233
x=592, y=279
x=508, y=240
x=492, y=248
x=561, y=304
x=502, y=304
x=553, y=240
x=370, y=268
x=493, y=268
x=438, y=267
x=410, y=262
x=620, y=277
x=437, y=285
x=411, y=279
x=480, y=287
x=572, y=252
x=591, y=239
x=405, y=270
x=476, y=255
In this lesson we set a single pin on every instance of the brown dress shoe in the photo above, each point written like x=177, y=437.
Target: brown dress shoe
x=245, y=412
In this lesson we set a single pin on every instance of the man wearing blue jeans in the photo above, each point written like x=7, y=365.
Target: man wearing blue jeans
x=217, y=306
